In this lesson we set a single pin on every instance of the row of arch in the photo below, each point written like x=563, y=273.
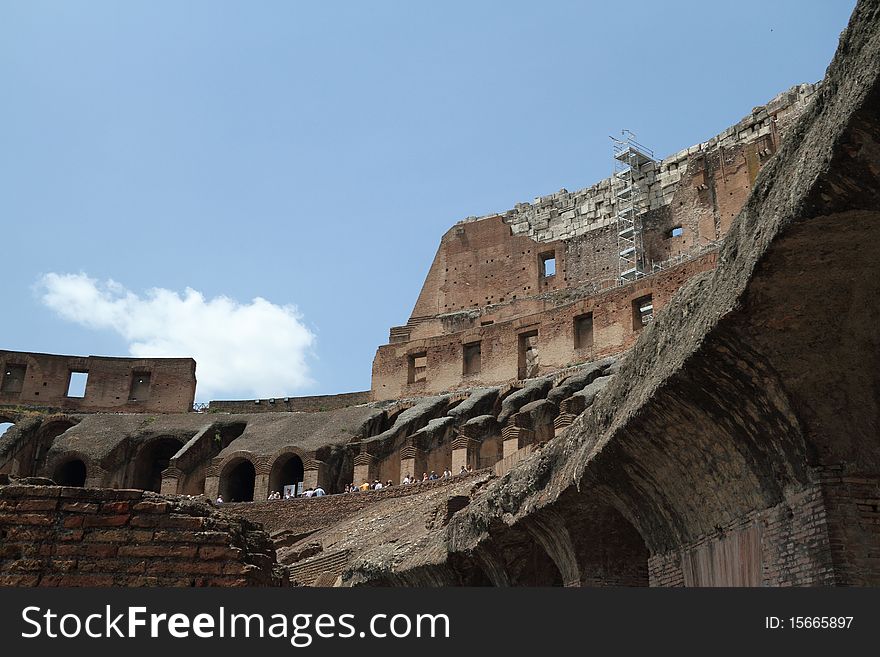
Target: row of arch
x=238, y=476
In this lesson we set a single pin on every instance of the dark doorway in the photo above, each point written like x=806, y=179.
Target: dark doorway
x=71, y=473
x=151, y=461
x=238, y=484
x=286, y=472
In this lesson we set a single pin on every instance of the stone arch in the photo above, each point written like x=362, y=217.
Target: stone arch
x=151, y=459
x=48, y=432
x=708, y=449
x=288, y=468
x=71, y=470
x=238, y=474
x=512, y=557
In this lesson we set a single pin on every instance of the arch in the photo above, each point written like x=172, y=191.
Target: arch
x=49, y=431
x=152, y=458
x=5, y=425
x=237, y=479
x=288, y=468
x=70, y=472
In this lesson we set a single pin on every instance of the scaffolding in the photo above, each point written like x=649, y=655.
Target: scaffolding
x=627, y=187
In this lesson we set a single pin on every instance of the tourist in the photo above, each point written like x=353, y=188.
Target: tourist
x=219, y=499
x=447, y=473
x=318, y=492
x=308, y=493
x=407, y=479
x=365, y=486
x=424, y=476
x=377, y=485
x=388, y=484
x=433, y=476
x=470, y=468
x=463, y=471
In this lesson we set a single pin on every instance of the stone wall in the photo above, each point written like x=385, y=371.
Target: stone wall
x=131, y=385
x=614, y=330
x=56, y=536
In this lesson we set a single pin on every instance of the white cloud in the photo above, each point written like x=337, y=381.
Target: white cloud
x=248, y=350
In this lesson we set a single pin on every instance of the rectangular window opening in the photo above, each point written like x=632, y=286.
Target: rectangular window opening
x=13, y=379
x=472, y=358
x=643, y=311
x=528, y=355
x=418, y=366
x=583, y=331
x=140, y=386
x=676, y=232
x=76, y=385
x=548, y=264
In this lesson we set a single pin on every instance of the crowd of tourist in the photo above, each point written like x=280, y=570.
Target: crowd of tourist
x=407, y=480
x=319, y=491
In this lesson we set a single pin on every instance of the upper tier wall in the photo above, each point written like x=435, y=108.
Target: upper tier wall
x=497, y=259
x=133, y=385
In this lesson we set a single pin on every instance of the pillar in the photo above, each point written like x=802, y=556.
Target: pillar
x=315, y=474
x=515, y=438
x=364, y=468
x=171, y=478
x=413, y=461
x=212, y=487
x=464, y=453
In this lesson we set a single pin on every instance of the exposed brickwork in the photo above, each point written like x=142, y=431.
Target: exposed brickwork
x=55, y=536
x=614, y=331
x=791, y=548
x=41, y=380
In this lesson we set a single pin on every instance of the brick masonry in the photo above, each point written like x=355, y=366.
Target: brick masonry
x=42, y=380
x=825, y=534
x=56, y=536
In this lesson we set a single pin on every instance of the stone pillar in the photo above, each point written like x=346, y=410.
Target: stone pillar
x=364, y=468
x=171, y=478
x=413, y=461
x=314, y=474
x=212, y=487
x=464, y=453
x=515, y=438
x=261, y=487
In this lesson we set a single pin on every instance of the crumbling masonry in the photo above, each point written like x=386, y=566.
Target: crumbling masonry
x=711, y=419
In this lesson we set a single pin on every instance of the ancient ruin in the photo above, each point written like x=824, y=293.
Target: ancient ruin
x=668, y=378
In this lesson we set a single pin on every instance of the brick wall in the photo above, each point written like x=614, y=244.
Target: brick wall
x=613, y=332
x=311, y=404
x=786, y=545
x=42, y=380
x=56, y=536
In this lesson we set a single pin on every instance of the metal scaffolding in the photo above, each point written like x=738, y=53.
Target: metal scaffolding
x=628, y=188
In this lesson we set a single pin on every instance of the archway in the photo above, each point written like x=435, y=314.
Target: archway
x=152, y=459
x=287, y=470
x=5, y=426
x=46, y=437
x=70, y=473
x=237, y=481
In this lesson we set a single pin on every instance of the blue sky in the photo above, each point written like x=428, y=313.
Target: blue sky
x=311, y=154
